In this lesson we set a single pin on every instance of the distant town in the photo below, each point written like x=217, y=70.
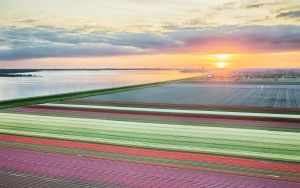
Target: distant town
x=243, y=75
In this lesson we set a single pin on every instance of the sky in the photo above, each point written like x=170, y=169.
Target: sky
x=149, y=34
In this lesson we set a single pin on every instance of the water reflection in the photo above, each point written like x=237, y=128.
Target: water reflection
x=54, y=82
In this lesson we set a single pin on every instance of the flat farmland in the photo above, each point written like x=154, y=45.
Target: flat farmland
x=248, y=95
x=78, y=149
x=174, y=134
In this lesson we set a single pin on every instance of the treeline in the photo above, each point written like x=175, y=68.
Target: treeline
x=15, y=71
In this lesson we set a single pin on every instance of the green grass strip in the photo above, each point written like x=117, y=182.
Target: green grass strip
x=246, y=145
x=164, y=129
x=251, y=143
x=141, y=120
x=233, y=133
x=203, y=136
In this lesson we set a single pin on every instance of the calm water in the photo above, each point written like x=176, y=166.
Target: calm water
x=54, y=82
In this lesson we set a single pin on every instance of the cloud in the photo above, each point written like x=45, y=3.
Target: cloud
x=290, y=14
x=66, y=51
x=258, y=5
x=29, y=21
x=28, y=43
x=227, y=6
x=42, y=41
x=233, y=39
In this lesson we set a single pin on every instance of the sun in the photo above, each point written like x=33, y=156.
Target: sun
x=222, y=60
x=221, y=65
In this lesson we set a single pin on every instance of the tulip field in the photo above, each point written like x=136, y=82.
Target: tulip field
x=105, y=141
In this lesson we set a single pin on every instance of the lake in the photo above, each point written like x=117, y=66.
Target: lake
x=56, y=82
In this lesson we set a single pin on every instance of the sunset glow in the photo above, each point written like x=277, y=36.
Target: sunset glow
x=222, y=56
x=163, y=34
